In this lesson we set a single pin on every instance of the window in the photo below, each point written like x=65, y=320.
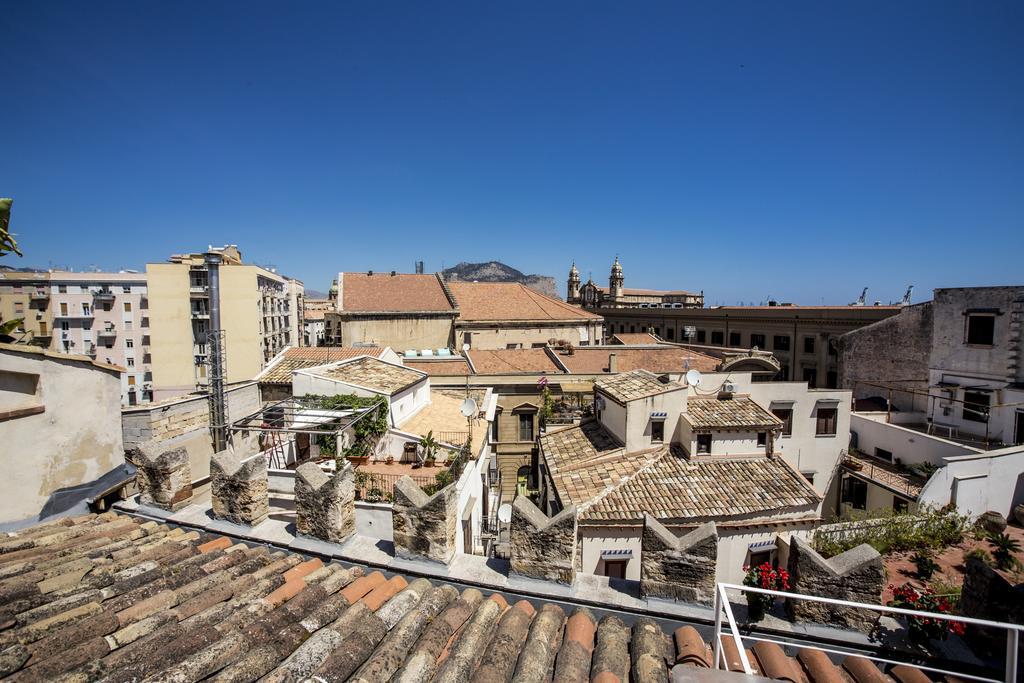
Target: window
x=513, y=346
x=106, y=306
x=63, y=289
x=981, y=329
x=467, y=339
x=670, y=334
x=19, y=307
x=494, y=428
x=976, y=405
x=127, y=289
x=757, y=559
x=523, y=480
x=63, y=308
x=811, y=377
x=131, y=362
x=701, y=336
x=781, y=342
x=622, y=327
x=657, y=431
x=127, y=306
x=899, y=505
x=735, y=339
x=84, y=289
x=129, y=343
x=786, y=415
x=131, y=380
x=757, y=340
x=762, y=438
x=808, y=344
x=86, y=310
x=127, y=324
x=42, y=329
x=809, y=476
x=883, y=454
x=703, y=443
x=831, y=379
x=826, y=421
x=717, y=337
x=632, y=329
x=783, y=373
x=541, y=345
x=855, y=493
x=64, y=325
x=526, y=426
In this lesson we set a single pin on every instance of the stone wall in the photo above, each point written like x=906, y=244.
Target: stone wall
x=175, y=417
x=897, y=348
x=988, y=595
x=679, y=568
x=325, y=506
x=424, y=526
x=163, y=476
x=856, y=575
x=238, y=488
x=543, y=547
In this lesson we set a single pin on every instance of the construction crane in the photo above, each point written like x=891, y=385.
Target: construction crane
x=906, y=297
x=863, y=298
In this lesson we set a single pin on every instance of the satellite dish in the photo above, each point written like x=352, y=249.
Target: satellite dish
x=505, y=513
x=465, y=348
x=693, y=378
x=468, y=408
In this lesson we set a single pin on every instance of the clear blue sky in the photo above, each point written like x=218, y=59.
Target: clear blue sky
x=798, y=150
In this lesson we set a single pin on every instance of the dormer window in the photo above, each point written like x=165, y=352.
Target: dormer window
x=657, y=430
x=703, y=444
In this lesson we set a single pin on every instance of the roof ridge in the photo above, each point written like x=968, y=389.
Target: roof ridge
x=596, y=500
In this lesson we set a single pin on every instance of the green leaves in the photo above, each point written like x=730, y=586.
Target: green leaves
x=7, y=241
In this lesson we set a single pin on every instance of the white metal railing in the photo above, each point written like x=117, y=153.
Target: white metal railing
x=723, y=606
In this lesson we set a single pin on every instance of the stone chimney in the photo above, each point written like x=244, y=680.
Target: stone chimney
x=543, y=547
x=678, y=567
x=856, y=575
x=164, y=476
x=613, y=364
x=424, y=526
x=238, y=488
x=325, y=506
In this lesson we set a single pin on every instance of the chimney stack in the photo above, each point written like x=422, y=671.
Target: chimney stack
x=613, y=365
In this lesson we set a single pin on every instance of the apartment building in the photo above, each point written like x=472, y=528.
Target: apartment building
x=100, y=315
x=105, y=316
x=26, y=297
x=261, y=313
x=802, y=338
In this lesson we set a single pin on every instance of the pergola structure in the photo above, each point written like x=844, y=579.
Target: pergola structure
x=295, y=419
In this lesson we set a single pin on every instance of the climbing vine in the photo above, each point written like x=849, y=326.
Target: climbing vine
x=368, y=429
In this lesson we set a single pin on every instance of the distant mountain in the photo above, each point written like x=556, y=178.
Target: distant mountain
x=314, y=294
x=496, y=271
x=11, y=269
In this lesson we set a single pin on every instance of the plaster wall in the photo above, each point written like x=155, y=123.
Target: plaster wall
x=73, y=436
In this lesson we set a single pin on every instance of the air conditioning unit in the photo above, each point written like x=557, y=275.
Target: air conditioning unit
x=728, y=387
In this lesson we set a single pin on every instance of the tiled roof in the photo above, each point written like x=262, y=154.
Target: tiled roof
x=633, y=385
x=635, y=338
x=672, y=487
x=313, y=313
x=439, y=368
x=479, y=301
x=585, y=460
x=503, y=361
x=589, y=360
x=292, y=359
x=657, y=292
x=113, y=598
x=373, y=374
x=736, y=412
x=106, y=597
x=398, y=293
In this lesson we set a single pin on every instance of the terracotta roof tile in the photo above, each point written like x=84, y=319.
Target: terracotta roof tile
x=737, y=412
x=673, y=487
x=510, y=361
x=635, y=384
x=399, y=293
x=345, y=626
x=480, y=301
x=589, y=360
x=635, y=338
x=371, y=373
x=292, y=359
x=439, y=368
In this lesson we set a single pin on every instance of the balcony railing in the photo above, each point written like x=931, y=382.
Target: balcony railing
x=103, y=295
x=39, y=295
x=106, y=333
x=73, y=314
x=723, y=608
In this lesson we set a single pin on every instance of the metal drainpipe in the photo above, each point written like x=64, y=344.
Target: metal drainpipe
x=218, y=365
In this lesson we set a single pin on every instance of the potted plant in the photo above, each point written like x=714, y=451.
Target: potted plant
x=1004, y=549
x=923, y=629
x=390, y=460
x=763, y=576
x=924, y=564
x=429, y=445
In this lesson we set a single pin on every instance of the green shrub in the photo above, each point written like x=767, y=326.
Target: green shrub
x=1003, y=550
x=924, y=564
x=889, y=531
x=978, y=554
